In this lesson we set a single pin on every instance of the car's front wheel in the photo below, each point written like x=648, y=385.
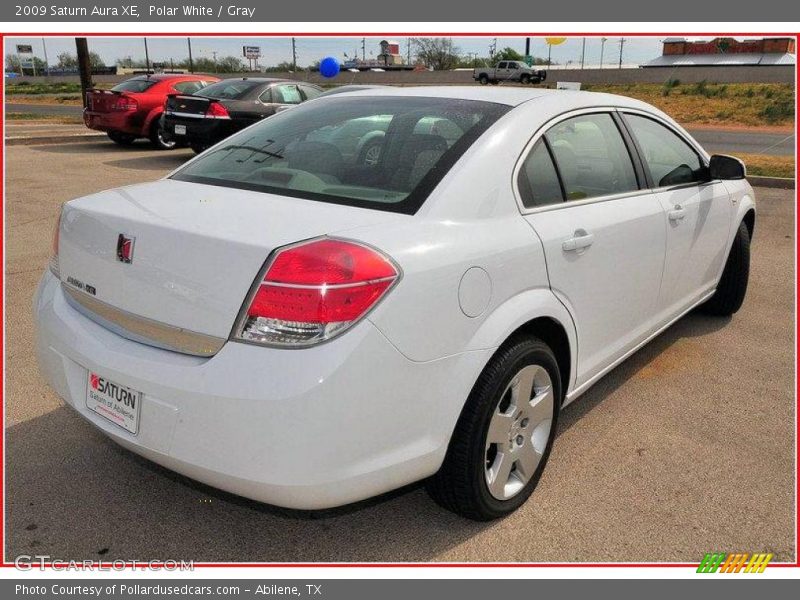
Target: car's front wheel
x=504, y=434
x=733, y=284
x=525, y=79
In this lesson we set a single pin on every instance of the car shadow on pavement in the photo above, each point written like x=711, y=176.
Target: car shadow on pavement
x=153, y=160
x=74, y=494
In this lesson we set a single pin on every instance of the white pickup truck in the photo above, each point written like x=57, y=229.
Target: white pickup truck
x=509, y=70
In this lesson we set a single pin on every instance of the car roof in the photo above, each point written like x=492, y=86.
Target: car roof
x=509, y=95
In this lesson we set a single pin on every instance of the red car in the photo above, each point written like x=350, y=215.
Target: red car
x=133, y=108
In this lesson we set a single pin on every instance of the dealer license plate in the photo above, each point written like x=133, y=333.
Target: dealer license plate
x=119, y=404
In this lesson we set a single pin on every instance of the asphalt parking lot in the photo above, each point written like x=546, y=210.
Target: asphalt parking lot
x=686, y=448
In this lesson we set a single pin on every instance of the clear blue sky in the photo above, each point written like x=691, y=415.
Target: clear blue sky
x=309, y=50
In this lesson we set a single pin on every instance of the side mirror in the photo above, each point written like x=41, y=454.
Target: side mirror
x=723, y=166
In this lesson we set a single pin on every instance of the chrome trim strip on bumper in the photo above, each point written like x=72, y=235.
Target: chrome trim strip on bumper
x=142, y=329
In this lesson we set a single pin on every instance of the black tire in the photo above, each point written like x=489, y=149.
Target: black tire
x=123, y=139
x=198, y=147
x=159, y=137
x=460, y=485
x=525, y=79
x=483, y=79
x=733, y=284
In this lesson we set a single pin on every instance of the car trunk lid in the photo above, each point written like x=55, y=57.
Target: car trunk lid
x=165, y=260
x=106, y=101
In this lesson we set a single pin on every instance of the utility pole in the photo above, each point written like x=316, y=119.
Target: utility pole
x=294, y=55
x=583, y=53
x=214, y=55
x=84, y=66
x=408, y=49
x=46, y=63
x=492, y=47
x=621, y=44
x=602, y=47
x=363, y=48
x=527, y=46
x=146, y=56
x=191, y=64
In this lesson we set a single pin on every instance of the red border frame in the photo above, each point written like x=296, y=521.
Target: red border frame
x=107, y=565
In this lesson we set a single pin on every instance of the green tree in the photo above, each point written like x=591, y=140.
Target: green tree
x=437, y=53
x=26, y=65
x=230, y=64
x=67, y=60
x=507, y=54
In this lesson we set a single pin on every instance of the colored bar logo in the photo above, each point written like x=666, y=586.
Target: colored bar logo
x=734, y=563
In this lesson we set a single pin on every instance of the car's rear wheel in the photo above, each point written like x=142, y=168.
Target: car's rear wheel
x=733, y=284
x=123, y=139
x=159, y=137
x=503, y=437
x=483, y=79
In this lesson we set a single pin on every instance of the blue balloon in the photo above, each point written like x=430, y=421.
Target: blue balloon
x=329, y=67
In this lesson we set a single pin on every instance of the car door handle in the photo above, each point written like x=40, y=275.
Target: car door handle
x=579, y=242
x=677, y=213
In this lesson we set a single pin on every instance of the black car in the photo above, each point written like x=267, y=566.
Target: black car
x=204, y=118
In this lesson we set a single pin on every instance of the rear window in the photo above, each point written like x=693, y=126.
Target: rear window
x=385, y=153
x=230, y=90
x=135, y=85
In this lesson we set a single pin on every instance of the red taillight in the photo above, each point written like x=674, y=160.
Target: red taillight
x=54, y=256
x=124, y=103
x=215, y=110
x=316, y=290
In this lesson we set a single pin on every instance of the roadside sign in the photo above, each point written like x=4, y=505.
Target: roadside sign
x=24, y=49
x=251, y=52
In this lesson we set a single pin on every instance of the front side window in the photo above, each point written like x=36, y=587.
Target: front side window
x=502, y=65
x=538, y=180
x=591, y=157
x=670, y=159
x=381, y=152
x=310, y=92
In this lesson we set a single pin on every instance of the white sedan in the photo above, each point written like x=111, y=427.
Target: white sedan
x=289, y=321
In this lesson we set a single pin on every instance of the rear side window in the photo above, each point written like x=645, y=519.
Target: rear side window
x=188, y=87
x=591, y=157
x=670, y=159
x=135, y=85
x=380, y=152
x=538, y=180
x=286, y=94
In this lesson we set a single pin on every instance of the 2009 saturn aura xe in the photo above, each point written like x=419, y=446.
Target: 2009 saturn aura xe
x=285, y=320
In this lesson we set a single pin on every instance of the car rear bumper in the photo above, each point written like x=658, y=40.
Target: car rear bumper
x=204, y=132
x=123, y=122
x=306, y=429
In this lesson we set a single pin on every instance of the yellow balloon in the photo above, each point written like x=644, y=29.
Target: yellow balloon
x=555, y=41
